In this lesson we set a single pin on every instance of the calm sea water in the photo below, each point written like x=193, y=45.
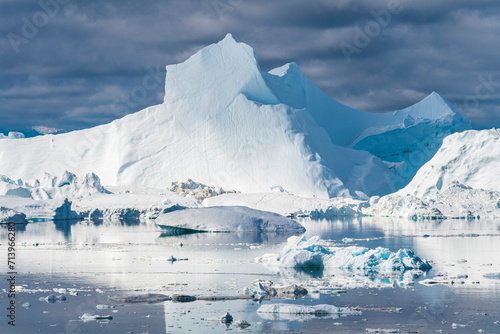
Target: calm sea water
x=90, y=262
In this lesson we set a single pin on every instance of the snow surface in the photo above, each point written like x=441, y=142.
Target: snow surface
x=226, y=123
x=228, y=219
x=310, y=255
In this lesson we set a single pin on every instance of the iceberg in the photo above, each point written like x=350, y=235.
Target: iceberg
x=12, y=135
x=470, y=158
x=68, y=185
x=91, y=317
x=312, y=255
x=227, y=219
x=458, y=182
x=303, y=312
x=226, y=123
x=27, y=208
x=131, y=204
x=8, y=215
x=455, y=201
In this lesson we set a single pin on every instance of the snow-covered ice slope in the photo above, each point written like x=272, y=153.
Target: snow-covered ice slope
x=226, y=123
x=471, y=158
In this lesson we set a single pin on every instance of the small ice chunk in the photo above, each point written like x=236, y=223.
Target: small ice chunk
x=52, y=299
x=90, y=317
x=226, y=318
x=492, y=275
x=382, y=330
x=26, y=305
x=241, y=324
x=103, y=307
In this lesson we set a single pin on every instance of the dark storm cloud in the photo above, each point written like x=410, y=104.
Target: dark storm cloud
x=81, y=66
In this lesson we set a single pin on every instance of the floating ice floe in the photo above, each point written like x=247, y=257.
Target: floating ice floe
x=52, y=299
x=91, y=317
x=302, y=312
x=310, y=255
x=382, y=330
x=328, y=269
x=227, y=219
x=241, y=324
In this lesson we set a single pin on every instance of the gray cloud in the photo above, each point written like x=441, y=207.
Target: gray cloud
x=89, y=55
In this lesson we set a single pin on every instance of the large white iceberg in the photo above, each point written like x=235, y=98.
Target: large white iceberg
x=228, y=219
x=226, y=123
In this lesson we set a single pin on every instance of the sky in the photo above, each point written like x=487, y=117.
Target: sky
x=72, y=64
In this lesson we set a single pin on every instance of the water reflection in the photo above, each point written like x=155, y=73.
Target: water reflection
x=129, y=256
x=227, y=237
